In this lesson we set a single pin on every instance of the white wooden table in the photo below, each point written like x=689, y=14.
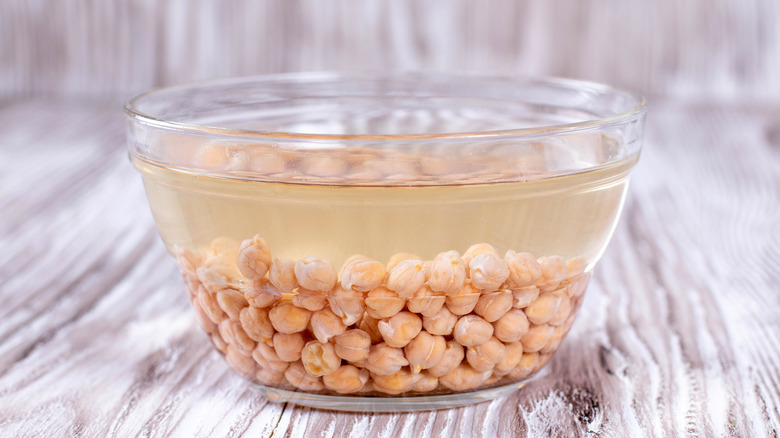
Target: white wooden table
x=679, y=334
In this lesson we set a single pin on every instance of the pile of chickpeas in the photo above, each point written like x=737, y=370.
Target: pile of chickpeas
x=454, y=323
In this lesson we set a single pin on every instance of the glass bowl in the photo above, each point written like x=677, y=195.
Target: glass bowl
x=386, y=242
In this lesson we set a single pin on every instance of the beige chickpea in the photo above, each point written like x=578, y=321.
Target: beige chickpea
x=425, y=351
x=452, y=357
x=425, y=302
x=381, y=303
x=492, y=379
x=514, y=352
x=564, y=309
x=266, y=358
x=385, y=360
x=254, y=258
x=288, y=346
x=553, y=271
x=282, y=275
x=310, y=299
x=485, y=356
x=261, y=293
x=269, y=377
x=425, y=382
x=231, y=301
x=543, y=309
x=234, y=335
x=475, y=250
x=471, y=330
x=326, y=324
x=447, y=273
x=319, y=358
x=205, y=322
x=512, y=326
x=464, y=301
x=239, y=361
x=464, y=377
x=524, y=270
x=217, y=277
x=555, y=340
x=575, y=266
x=488, y=272
x=218, y=342
x=527, y=365
x=524, y=296
x=188, y=261
x=397, y=258
x=346, y=380
x=369, y=325
x=536, y=338
x=362, y=274
x=401, y=328
x=298, y=377
x=315, y=274
x=257, y=324
x=406, y=277
x=576, y=287
x=225, y=247
x=353, y=345
x=287, y=318
x=440, y=323
x=347, y=304
x=493, y=305
x=396, y=383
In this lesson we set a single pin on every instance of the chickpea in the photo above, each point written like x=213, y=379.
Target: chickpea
x=398, y=258
x=282, y=275
x=536, y=338
x=453, y=356
x=553, y=271
x=514, y=352
x=239, y=361
x=353, y=345
x=525, y=367
x=464, y=377
x=397, y=383
x=369, y=325
x=287, y=318
x=475, y=250
x=383, y=303
x=346, y=380
x=488, y=272
x=555, y=340
x=425, y=302
x=266, y=358
x=494, y=305
x=315, y=274
x=447, y=273
x=267, y=163
x=564, y=309
x=298, y=377
x=217, y=277
x=575, y=266
x=406, y=278
x=400, y=329
x=254, y=258
x=348, y=304
x=524, y=270
x=310, y=300
x=256, y=324
x=362, y=275
x=188, y=261
x=576, y=287
x=326, y=324
x=218, y=342
x=269, y=377
x=464, y=301
x=288, y=346
x=424, y=351
x=261, y=293
x=543, y=310
x=485, y=356
x=440, y=323
x=385, y=360
x=512, y=326
x=205, y=322
x=225, y=247
x=232, y=333
x=425, y=382
x=319, y=358
x=471, y=330
x=231, y=301
x=524, y=296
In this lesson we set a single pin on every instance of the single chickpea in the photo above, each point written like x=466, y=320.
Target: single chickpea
x=385, y=360
x=536, y=338
x=282, y=275
x=488, y=272
x=315, y=274
x=514, y=352
x=425, y=382
x=369, y=325
x=575, y=266
x=447, y=273
x=239, y=361
x=319, y=359
x=553, y=271
x=298, y=377
x=512, y=326
x=234, y=335
x=485, y=356
x=310, y=299
x=425, y=351
x=524, y=296
x=287, y=318
x=346, y=380
x=225, y=247
x=464, y=377
x=425, y=302
x=453, y=356
x=525, y=367
x=564, y=309
x=254, y=258
x=406, y=278
x=394, y=384
x=559, y=333
x=475, y=250
x=326, y=324
x=261, y=293
x=231, y=301
x=218, y=342
x=464, y=301
x=362, y=275
x=383, y=303
x=494, y=305
x=524, y=270
x=217, y=277
x=576, y=287
x=256, y=324
x=205, y=322
x=347, y=304
x=543, y=310
x=400, y=329
x=353, y=345
x=266, y=358
x=188, y=261
x=269, y=377
x=472, y=330
x=440, y=323
x=288, y=346
x=398, y=258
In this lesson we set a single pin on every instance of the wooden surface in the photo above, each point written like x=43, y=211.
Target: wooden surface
x=679, y=334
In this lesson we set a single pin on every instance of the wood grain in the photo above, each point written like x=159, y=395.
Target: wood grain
x=679, y=334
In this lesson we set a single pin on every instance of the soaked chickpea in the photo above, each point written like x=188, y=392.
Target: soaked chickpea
x=440, y=323
x=514, y=352
x=383, y=303
x=425, y=351
x=425, y=382
x=348, y=304
x=210, y=307
x=447, y=273
x=396, y=383
x=315, y=274
x=346, y=380
x=231, y=301
x=564, y=309
x=527, y=365
x=471, y=330
x=475, y=250
x=217, y=276
x=575, y=266
x=310, y=300
x=400, y=329
x=282, y=275
x=385, y=360
x=555, y=340
x=398, y=258
x=239, y=361
x=254, y=258
x=464, y=301
x=576, y=288
x=205, y=323
x=452, y=357
x=488, y=272
x=524, y=296
x=494, y=305
x=512, y=326
x=287, y=318
x=188, y=261
x=319, y=358
x=369, y=325
x=406, y=277
x=256, y=324
x=261, y=293
x=269, y=377
x=524, y=270
x=353, y=345
x=485, y=356
x=536, y=338
x=543, y=310
x=425, y=302
x=325, y=324
x=553, y=271
x=288, y=346
x=266, y=358
x=362, y=275
x=234, y=335
x=298, y=377
x=464, y=377
x=218, y=342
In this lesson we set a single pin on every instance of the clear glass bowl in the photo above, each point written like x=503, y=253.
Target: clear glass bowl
x=386, y=242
